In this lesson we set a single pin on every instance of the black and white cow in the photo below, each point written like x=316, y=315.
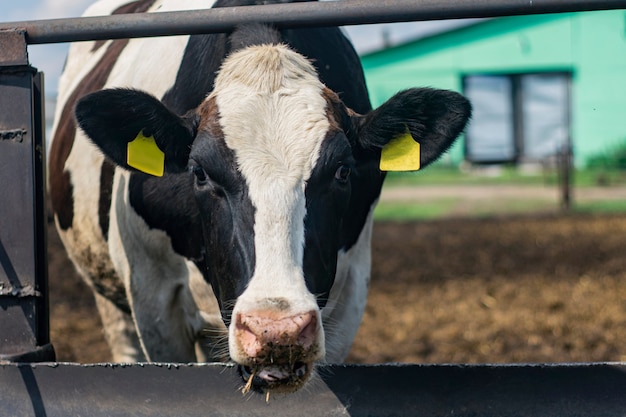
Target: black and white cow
x=255, y=243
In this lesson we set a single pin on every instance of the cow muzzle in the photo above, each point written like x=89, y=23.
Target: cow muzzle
x=276, y=353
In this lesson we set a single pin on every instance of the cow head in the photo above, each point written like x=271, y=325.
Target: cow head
x=283, y=175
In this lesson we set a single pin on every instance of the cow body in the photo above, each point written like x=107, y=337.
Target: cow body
x=255, y=243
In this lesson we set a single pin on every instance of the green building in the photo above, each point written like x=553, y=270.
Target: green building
x=537, y=83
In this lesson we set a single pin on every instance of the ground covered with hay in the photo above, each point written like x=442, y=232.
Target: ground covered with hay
x=546, y=288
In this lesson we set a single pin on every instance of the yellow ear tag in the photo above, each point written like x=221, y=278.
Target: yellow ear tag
x=402, y=153
x=144, y=154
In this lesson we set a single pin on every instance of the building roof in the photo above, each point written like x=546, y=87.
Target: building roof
x=369, y=39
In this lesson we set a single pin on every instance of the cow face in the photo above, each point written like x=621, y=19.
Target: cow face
x=283, y=176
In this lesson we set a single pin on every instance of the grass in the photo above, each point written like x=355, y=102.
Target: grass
x=605, y=206
x=502, y=175
x=437, y=175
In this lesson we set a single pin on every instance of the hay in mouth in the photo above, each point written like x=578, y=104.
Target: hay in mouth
x=279, y=378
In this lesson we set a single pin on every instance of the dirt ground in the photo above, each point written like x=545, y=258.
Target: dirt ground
x=546, y=288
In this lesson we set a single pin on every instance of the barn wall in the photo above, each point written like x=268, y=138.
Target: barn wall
x=590, y=45
x=600, y=96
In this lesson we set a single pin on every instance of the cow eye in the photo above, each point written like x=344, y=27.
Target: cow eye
x=343, y=173
x=201, y=177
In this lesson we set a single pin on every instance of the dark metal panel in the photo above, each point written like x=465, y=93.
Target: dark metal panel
x=291, y=15
x=23, y=309
x=426, y=390
x=16, y=179
x=16, y=331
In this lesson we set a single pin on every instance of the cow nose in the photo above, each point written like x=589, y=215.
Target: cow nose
x=264, y=333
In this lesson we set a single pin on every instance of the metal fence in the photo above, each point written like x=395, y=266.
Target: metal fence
x=307, y=14
x=52, y=389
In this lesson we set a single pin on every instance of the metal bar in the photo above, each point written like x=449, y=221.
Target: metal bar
x=39, y=154
x=307, y=14
x=385, y=390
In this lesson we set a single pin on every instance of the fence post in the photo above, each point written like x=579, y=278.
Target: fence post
x=24, y=330
x=564, y=172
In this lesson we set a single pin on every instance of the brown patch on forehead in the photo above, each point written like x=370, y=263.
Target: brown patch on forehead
x=209, y=115
x=332, y=109
x=214, y=150
x=336, y=111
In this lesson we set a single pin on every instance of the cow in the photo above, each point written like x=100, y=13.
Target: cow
x=216, y=191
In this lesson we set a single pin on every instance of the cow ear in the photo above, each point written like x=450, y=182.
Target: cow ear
x=433, y=118
x=114, y=118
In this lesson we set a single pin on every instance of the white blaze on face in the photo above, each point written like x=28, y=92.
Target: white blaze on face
x=273, y=116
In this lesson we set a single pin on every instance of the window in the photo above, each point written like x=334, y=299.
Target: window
x=517, y=118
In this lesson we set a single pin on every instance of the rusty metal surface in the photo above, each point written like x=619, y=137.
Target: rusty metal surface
x=16, y=135
x=426, y=390
x=13, y=47
x=291, y=15
x=25, y=291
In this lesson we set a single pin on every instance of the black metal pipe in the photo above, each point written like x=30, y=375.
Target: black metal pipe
x=307, y=14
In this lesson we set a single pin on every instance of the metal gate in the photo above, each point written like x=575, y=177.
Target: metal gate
x=52, y=389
